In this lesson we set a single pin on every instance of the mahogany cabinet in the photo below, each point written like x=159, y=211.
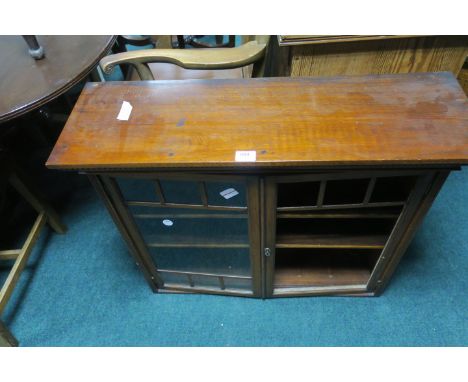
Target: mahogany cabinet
x=269, y=187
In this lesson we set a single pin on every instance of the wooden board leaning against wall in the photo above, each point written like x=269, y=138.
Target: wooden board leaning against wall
x=317, y=56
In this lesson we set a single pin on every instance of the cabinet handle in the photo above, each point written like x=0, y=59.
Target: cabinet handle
x=267, y=252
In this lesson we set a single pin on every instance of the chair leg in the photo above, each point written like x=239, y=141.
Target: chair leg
x=219, y=39
x=6, y=338
x=258, y=69
x=180, y=42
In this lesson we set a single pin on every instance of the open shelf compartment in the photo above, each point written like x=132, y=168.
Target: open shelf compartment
x=368, y=233
x=330, y=231
x=375, y=191
x=302, y=268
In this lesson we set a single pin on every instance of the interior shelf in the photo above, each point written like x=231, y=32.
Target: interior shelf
x=184, y=241
x=186, y=206
x=358, y=213
x=333, y=232
x=319, y=267
x=330, y=241
x=371, y=205
x=189, y=216
x=303, y=277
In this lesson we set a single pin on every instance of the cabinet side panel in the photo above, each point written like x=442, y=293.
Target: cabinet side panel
x=400, y=227
x=417, y=218
x=126, y=220
x=100, y=189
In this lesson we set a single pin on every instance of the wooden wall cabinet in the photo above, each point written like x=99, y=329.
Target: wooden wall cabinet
x=274, y=235
x=344, y=173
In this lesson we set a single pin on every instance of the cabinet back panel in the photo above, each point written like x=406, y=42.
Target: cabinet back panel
x=323, y=267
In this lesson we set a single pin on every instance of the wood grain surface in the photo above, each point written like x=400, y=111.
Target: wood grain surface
x=382, y=56
x=323, y=39
x=403, y=119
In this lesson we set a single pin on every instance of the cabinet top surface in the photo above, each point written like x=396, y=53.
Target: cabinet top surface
x=360, y=120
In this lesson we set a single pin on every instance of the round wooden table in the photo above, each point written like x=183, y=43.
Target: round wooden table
x=27, y=84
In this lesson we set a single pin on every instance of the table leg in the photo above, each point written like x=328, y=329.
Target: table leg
x=19, y=180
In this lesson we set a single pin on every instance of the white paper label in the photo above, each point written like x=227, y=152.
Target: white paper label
x=246, y=156
x=229, y=193
x=125, y=111
x=168, y=222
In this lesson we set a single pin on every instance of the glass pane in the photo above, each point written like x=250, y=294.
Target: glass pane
x=192, y=228
x=226, y=194
x=135, y=189
x=227, y=261
x=392, y=189
x=226, y=283
x=174, y=278
x=203, y=265
x=180, y=191
x=242, y=284
x=298, y=194
x=345, y=191
x=206, y=281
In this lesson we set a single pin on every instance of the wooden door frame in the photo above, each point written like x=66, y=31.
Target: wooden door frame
x=401, y=244
x=119, y=215
x=261, y=195
x=428, y=183
x=109, y=190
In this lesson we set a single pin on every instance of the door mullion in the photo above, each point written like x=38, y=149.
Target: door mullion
x=269, y=230
x=254, y=212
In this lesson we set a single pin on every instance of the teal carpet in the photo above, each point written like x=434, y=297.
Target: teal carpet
x=82, y=289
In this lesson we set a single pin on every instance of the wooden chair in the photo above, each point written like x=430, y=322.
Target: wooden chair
x=148, y=62
x=195, y=41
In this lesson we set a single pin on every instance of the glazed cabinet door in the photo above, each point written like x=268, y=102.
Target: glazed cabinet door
x=198, y=233
x=327, y=233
